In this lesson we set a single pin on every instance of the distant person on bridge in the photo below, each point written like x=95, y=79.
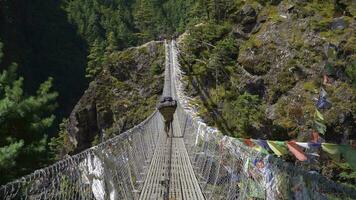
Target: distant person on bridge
x=167, y=106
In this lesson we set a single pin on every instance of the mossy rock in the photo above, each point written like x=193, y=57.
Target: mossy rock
x=311, y=86
x=115, y=98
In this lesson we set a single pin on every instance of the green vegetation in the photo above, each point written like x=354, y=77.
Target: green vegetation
x=156, y=69
x=279, y=54
x=254, y=67
x=37, y=36
x=258, y=53
x=61, y=145
x=311, y=86
x=121, y=24
x=95, y=59
x=351, y=72
x=24, y=120
x=244, y=113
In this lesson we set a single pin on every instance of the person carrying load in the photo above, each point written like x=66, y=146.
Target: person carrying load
x=167, y=106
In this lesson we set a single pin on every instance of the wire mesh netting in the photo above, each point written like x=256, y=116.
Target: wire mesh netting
x=114, y=169
x=224, y=167
x=228, y=169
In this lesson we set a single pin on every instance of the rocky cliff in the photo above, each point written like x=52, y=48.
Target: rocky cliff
x=121, y=96
x=294, y=52
x=287, y=53
x=279, y=70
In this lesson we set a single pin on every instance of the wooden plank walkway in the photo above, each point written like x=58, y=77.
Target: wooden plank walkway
x=171, y=170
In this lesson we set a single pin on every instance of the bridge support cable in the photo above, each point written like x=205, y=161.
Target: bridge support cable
x=198, y=162
x=180, y=181
x=227, y=169
x=114, y=169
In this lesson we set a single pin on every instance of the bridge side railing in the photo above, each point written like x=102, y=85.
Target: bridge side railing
x=114, y=169
x=228, y=169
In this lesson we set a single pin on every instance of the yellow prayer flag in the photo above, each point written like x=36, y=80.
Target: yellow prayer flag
x=278, y=147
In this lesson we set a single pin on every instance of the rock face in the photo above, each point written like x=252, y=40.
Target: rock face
x=292, y=58
x=287, y=52
x=278, y=70
x=121, y=96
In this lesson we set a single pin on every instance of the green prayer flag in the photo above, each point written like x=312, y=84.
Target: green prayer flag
x=332, y=149
x=260, y=149
x=320, y=127
x=318, y=115
x=331, y=53
x=278, y=147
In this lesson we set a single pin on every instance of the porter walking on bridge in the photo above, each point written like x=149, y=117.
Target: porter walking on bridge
x=198, y=163
x=167, y=107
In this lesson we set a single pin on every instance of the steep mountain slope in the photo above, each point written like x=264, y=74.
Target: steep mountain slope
x=119, y=24
x=122, y=95
x=272, y=70
x=261, y=69
x=38, y=37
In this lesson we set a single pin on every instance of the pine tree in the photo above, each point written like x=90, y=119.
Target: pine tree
x=220, y=9
x=95, y=59
x=23, y=122
x=111, y=43
x=144, y=16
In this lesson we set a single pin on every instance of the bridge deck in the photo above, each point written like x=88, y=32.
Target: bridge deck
x=171, y=167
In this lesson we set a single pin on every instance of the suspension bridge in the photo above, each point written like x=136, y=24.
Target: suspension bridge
x=194, y=161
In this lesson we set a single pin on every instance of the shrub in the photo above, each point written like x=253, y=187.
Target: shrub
x=311, y=86
x=61, y=145
x=351, y=72
x=246, y=111
x=156, y=69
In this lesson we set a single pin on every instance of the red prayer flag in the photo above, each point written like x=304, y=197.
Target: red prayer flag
x=296, y=151
x=249, y=143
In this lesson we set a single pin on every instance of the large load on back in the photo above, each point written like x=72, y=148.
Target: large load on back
x=167, y=106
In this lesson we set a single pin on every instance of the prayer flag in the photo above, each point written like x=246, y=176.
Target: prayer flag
x=332, y=149
x=260, y=149
x=263, y=144
x=303, y=144
x=248, y=142
x=246, y=165
x=278, y=147
x=296, y=151
x=318, y=115
x=320, y=127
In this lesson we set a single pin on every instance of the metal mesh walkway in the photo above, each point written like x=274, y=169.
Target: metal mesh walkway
x=171, y=174
x=156, y=183
x=197, y=163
